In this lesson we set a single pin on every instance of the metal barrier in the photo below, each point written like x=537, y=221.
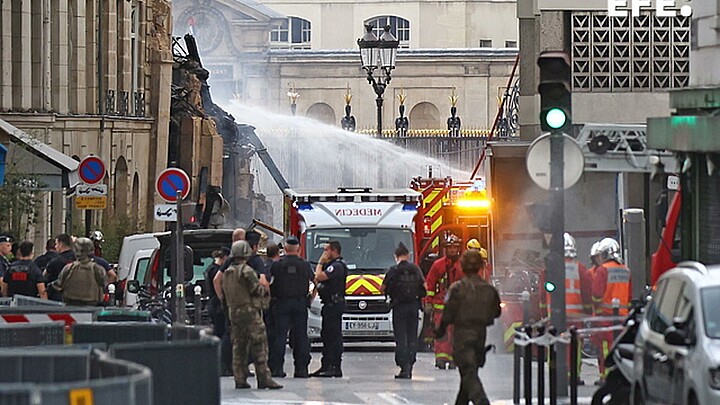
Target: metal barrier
x=122, y=315
x=32, y=334
x=27, y=301
x=71, y=376
x=537, y=338
x=119, y=332
x=175, y=363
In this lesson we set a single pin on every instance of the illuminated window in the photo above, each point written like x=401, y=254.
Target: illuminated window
x=295, y=33
x=399, y=27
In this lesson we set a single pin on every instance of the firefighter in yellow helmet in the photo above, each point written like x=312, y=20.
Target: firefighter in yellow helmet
x=485, y=272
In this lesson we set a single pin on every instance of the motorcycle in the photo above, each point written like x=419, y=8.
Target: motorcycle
x=619, y=361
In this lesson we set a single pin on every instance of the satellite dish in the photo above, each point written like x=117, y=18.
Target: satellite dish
x=538, y=161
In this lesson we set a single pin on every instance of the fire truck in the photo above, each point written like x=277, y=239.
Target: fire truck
x=369, y=224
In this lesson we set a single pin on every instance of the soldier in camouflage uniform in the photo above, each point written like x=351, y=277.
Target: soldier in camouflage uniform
x=244, y=298
x=471, y=306
x=82, y=282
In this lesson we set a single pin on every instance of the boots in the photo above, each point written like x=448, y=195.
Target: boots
x=239, y=385
x=332, y=371
x=405, y=373
x=268, y=384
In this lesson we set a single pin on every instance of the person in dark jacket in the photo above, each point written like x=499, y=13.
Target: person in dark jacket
x=50, y=253
x=471, y=306
x=23, y=276
x=63, y=244
x=405, y=285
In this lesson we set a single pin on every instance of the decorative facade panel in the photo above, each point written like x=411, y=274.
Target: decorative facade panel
x=618, y=54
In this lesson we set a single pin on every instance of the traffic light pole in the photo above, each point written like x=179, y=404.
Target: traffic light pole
x=555, y=262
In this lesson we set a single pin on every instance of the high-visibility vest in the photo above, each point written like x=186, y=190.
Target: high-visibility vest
x=618, y=286
x=573, y=294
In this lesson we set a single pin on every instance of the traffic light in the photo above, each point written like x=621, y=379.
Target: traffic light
x=555, y=90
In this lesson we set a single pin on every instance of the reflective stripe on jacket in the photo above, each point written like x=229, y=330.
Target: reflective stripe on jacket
x=573, y=293
x=618, y=286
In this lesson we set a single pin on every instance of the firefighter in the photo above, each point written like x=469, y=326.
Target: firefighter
x=611, y=282
x=578, y=285
x=486, y=271
x=442, y=274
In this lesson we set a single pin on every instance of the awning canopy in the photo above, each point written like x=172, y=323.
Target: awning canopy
x=46, y=167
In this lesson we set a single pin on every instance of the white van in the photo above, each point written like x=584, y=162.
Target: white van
x=138, y=268
x=131, y=245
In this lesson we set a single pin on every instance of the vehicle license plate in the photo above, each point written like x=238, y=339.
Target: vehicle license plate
x=362, y=325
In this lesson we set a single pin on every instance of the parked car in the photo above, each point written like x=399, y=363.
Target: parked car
x=677, y=349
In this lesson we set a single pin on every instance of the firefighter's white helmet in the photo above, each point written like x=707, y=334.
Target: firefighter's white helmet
x=569, y=246
x=609, y=249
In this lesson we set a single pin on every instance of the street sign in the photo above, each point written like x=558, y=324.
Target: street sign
x=90, y=190
x=538, y=162
x=95, y=202
x=91, y=170
x=170, y=181
x=166, y=212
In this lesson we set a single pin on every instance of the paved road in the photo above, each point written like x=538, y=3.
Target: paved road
x=368, y=379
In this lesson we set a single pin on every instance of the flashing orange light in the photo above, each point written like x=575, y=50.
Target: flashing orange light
x=473, y=203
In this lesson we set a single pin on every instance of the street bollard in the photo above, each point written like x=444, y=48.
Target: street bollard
x=198, y=305
x=111, y=295
x=525, y=299
x=516, y=372
x=552, y=365
x=573, y=365
x=527, y=364
x=541, y=368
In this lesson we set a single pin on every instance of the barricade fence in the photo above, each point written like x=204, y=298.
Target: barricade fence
x=532, y=341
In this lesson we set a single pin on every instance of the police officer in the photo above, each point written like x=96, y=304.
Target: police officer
x=243, y=296
x=405, y=285
x=330, y=274
x=23, y=276
x=471, y=306
x=214, y=307
x=83, y=281
x=291, y=277
x=6, y=242
x=63, y=245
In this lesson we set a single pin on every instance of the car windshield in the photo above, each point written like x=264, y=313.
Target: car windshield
x=710, y=297
x=364, y=249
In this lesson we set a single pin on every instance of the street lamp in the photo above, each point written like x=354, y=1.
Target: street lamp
x=378, y=53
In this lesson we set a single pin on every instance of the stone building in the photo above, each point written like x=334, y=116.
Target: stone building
x=259, y=51
x=92, y=77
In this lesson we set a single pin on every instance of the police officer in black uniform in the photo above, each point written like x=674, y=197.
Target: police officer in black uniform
x=405, y=285
x=291, y=277
x=6, y=242
x=63, y=244
x=23, y=276
x=330, y=274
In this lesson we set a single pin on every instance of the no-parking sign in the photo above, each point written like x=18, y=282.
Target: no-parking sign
x=170, y=181
x=91, y=170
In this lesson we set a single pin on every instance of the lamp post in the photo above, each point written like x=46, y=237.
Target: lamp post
x=378, y=54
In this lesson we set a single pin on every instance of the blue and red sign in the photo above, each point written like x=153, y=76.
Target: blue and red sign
x=170, y=181
x=91, y=170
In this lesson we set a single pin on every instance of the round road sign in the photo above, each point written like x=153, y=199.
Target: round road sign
x=538, y=161
x=91, y=170
x=170, y=181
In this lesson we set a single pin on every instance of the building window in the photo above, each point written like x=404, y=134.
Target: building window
x=510, y=44
x=291, y=33
x=486, y=43
x=134, y=56
x=399, y=27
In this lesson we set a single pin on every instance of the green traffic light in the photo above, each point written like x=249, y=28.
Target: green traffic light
x=555, y=118
x=549, y=287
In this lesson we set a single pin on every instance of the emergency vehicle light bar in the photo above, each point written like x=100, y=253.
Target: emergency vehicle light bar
x=310, y=196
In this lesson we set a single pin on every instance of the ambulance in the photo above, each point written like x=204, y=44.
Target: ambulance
x=369, y=224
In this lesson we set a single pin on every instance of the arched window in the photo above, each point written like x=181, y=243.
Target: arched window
x=399, y=27
x=425, y=115
x=322, y=112
x=293, y=33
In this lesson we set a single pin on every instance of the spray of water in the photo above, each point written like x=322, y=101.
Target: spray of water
x=313, y=155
